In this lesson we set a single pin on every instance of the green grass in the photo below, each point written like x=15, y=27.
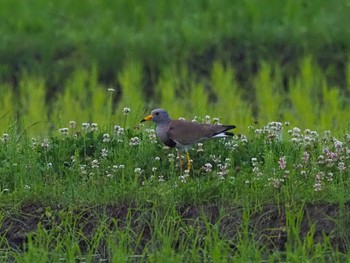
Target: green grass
x=307, y=100
x=58, y=37
x=89, y=196
x=82, y=161
x=75, y=187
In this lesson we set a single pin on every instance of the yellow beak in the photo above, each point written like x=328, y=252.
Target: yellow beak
x=148, y=118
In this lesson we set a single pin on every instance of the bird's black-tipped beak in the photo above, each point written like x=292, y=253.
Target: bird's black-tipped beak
x=148, y=118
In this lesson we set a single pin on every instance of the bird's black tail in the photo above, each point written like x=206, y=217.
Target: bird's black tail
x=229, y=127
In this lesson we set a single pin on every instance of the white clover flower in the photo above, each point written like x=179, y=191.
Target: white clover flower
x=85, y=126
x=347, y=151
x=341, y=166
x=72, y=124
x=63, y=131
x=274, y=126
x=231, y=145
x=118, y=130
x=83, y=170
x=154, y=169
x=319, y=176
x=106, y=137
x=134, y=141
x=216, y=159
x=295, y=140
x=45, y=144
x=275, y=182
x=307, y=138
x=126, y=111
x=221, y=175
x=259, y=131
x=327, y=133
x=307, y=131
x=200, y=147
x=34, y=142
x=121, y=166
x=95, y=164
x=104, y=153
x=347, y=138
x=157, y=158
x=138, y=170
x=318, y=186
x=161, y=178
x=207, y=119
x=223, y=171
x=171, y=157
x=244, y=139
x=207, y=167
x=110, y=90
x=286, y=174
x=151, y=135
x=282, y=162
x=330, y=177
x=338, y=145
x=298, y=166
x=182, y=179
x=5, y=137
x=314, y=134
x=296, y=130
x=321, y=159
x=94, y=127
x=256, y=170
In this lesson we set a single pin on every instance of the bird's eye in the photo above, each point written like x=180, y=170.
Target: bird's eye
x=157, y=113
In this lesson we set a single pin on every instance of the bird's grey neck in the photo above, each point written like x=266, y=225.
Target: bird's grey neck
x=164, y=122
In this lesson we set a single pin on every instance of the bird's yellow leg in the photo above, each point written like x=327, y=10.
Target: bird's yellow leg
x=189, y=163
x=181, y=161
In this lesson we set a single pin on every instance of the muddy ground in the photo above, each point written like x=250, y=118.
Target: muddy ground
x=268, y=225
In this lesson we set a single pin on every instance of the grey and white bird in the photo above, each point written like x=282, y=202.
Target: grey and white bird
x=183, y=134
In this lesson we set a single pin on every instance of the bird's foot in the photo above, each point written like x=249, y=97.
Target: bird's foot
x=189, y=162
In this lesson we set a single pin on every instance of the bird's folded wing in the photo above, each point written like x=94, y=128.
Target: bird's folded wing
x=185, y=132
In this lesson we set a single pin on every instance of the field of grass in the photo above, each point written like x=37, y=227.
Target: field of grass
x=308, y=100
x=113, y=192
x=55, y=38
x=81, y=180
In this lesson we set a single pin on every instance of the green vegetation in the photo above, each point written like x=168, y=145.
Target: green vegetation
x=307, y=101
x=245, y=61
x=116, y=194
x=81, y=180
x=55, y=38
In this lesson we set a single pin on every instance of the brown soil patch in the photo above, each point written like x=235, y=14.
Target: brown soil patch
x=268, y=225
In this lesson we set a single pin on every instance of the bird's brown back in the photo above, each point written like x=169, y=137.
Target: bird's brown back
x=186, y=132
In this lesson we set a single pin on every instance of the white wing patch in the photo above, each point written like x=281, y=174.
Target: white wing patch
x=219, y=135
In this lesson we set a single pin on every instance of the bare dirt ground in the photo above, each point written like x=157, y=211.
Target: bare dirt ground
x=268, y=225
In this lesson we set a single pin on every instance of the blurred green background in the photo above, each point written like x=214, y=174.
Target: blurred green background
x=244, y=61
